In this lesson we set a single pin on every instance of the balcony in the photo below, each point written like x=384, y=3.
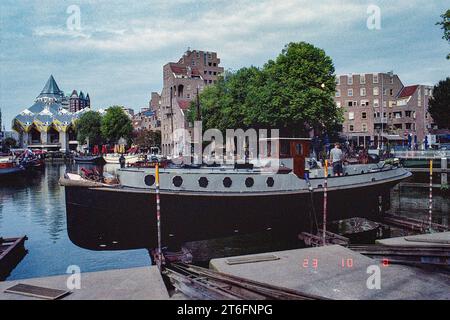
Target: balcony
x=383, y=120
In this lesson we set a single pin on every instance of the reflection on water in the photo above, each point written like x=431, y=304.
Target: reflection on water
x=34, y=206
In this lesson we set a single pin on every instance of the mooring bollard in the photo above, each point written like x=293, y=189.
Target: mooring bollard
x=430, y=211
x=158, y=216
x=325, y=199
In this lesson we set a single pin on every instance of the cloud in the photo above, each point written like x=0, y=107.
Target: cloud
x=251, y=21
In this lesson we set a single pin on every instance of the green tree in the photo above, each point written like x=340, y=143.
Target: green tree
x=147, y=139
x=116, y=124
x=88, y=128
x=10, y=143
x=439, y=105
x=445, y=25
x=293, y=93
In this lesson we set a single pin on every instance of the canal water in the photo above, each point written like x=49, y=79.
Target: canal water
x=35, y=206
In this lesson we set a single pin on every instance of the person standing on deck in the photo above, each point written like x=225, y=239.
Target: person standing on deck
x=336, y=157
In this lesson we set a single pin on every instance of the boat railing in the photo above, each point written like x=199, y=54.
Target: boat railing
x=422, y=154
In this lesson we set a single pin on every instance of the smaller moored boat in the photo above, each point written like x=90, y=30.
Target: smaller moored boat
x=89, y=159
x=114, y=158
x=9, y=167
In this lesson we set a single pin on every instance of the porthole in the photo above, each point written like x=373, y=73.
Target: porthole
x=149, y=180
x=203, y=182
x=270, y=182
x=227, y=182
x=177, y=181
x=249, y=182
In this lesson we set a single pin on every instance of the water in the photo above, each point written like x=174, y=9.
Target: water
x=35, y=206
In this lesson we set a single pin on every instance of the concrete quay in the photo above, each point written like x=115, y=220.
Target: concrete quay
x=336, y=272
x=125, y=284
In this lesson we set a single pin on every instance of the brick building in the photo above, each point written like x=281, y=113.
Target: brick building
x=379, y=108
x=181, y=82
x=79, y=102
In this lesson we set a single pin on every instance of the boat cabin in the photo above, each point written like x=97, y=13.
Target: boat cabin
x=291, y=152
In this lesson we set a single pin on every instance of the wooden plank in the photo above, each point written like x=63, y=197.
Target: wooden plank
x=37, y=292
x=252, y=259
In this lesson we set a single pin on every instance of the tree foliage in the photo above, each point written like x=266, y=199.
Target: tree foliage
x=439, y=105
x=116, y=124
x=293, y=93
x=10, y=142
x=147, y=139
x=88, y=128
x=445, y=25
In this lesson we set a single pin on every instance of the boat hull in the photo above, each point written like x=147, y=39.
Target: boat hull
x=118, y=219
x=11, y=171
x=89, y=160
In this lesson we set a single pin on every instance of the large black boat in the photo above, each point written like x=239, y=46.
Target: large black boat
x=212, y=202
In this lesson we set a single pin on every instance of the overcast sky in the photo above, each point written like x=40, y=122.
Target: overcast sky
x=118, y=52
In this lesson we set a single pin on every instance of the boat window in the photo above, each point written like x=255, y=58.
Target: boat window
x=149, y=180
x=298, y=149
x=284, y=149
x=227, y=182
x=203, y=182
x=177, y=181
x=270, y=182
x=249, y=182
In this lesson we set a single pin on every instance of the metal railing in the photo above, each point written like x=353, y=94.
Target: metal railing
x=422, y=154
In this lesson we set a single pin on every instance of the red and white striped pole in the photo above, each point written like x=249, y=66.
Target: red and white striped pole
x=158, y=217
x=325, y=200
x=430, y=211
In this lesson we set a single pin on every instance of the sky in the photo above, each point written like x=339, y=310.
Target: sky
x=115, y=50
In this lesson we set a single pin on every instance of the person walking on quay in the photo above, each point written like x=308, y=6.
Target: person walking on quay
x=336, y=157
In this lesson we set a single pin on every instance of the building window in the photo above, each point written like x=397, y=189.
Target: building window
x=338, y=93
x=350, y=93
x=364, y=115
x=362, y=79
x=350, y=79
x=376, y=103
x=408, y=114
x=391, y=92
x=408, y=126
x=375, y=78
x=364, y=127
x=364, y=103
x=351, y=116
x=376, y=91
x=338, y=80
x=362, y=92
x=351, y=128
x=338, y=104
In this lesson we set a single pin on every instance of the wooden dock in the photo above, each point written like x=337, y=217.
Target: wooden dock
x=12, y=251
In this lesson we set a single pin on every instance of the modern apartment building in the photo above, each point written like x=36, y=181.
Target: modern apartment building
x=181, y=82
x=378, y=108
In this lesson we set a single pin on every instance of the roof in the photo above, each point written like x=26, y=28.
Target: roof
x=184, y=104
x=51, y=89
x=48, y=111
x=182, y=70
x=407, y=91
